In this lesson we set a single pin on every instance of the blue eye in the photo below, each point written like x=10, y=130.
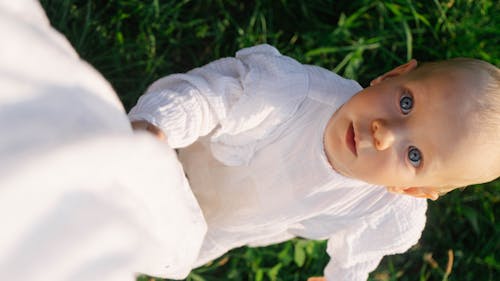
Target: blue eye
x=414, y=156
x=406, y=103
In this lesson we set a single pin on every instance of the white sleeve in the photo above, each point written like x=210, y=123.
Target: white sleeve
x=357, y=249
x=101, y=208
x=244, y=97
x=187, y=106
x=81, y=196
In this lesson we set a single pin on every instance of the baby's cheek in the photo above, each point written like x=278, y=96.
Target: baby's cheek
x=380, y=169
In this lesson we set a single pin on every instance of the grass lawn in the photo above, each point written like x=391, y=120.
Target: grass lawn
x=133, y=42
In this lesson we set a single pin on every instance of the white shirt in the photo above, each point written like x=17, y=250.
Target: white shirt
x=81, y=196
x=250, y=129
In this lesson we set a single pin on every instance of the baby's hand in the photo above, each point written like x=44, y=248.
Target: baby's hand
x=142, y=125
x=316, y=278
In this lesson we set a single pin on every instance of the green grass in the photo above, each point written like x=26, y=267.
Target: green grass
x=133, y=42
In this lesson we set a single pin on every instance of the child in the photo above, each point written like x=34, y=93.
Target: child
x=274, y=149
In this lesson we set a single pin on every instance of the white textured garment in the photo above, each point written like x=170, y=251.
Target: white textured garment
x=250, y=129
x=81, y=197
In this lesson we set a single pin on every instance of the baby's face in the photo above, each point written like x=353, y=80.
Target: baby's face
x=405, y=131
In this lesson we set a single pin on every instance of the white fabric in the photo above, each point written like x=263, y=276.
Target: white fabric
x=250, y=129
x=81, y=196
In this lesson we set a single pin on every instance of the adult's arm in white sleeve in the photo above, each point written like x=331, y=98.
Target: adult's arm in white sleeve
x=81, y=196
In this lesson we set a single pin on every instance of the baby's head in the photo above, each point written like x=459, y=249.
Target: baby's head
x=421, y=131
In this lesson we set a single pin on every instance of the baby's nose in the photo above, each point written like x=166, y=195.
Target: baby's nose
x=383, y=136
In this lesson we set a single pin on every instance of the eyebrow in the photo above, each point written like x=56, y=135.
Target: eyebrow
x=424, y=156
x=426, y=153
x=423, y=163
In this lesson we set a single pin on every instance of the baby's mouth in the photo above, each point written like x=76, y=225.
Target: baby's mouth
x=349, y=139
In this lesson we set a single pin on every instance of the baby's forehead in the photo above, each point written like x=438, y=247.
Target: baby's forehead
x=445, y=124
x=463, y=152
x=462, y=79
x=467, y=67
x=469, y=163
x=456, y=107
x=448, y=90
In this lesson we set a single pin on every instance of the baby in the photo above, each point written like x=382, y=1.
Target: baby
x=274, y=149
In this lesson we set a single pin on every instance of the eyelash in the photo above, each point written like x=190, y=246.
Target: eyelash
x=408, y=99
x=413, y=149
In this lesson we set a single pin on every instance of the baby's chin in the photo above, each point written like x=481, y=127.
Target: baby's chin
x=337, y=165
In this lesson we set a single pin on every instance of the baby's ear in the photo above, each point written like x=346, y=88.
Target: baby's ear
x=404, y=68
x=420, y=192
